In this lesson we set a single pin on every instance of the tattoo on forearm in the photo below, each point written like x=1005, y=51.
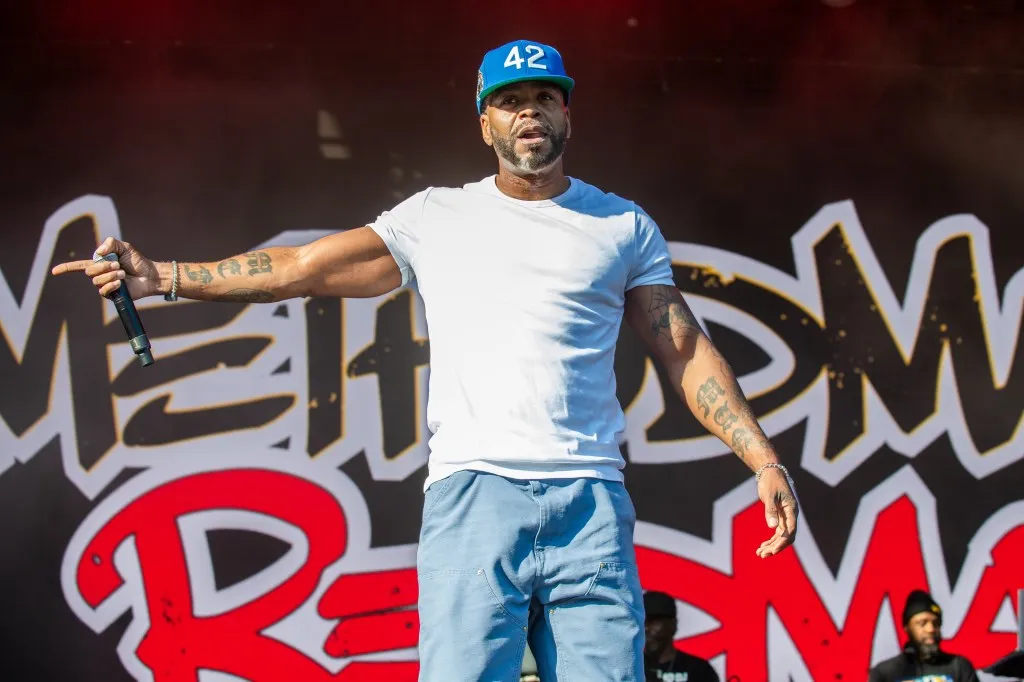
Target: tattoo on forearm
x=669, y=316
x=725, y=417
x=247, y=296
x=746, y=434
x=708, y=394
x=230, y=266
x=259, y=263
x=201, y=274
x=741, y=440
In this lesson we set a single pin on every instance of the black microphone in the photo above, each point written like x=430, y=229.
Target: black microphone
x=129, y=317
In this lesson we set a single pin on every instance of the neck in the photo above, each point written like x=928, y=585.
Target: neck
x=667, y=655
x=544, y=184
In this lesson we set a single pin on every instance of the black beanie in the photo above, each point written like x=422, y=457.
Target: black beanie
x=920, y=601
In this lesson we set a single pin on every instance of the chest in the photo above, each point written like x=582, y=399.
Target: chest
x=554, y=253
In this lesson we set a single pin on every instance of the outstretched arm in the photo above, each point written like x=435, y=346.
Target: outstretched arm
x=704, y=381
x=352, y=264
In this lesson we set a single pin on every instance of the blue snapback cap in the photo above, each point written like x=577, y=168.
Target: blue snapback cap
x=520, y=60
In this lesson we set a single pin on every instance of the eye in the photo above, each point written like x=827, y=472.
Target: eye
x=546, y=95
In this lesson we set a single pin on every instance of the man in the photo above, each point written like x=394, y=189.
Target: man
x=526, y=275
x=922, y=658
x=662, y=660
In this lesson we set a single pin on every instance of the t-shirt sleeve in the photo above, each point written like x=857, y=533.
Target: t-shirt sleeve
x=652, y=263
x=401, y=230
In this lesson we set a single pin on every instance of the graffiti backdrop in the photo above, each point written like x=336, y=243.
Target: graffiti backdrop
x=843, y=220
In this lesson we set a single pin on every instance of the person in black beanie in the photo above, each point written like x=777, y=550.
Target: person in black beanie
x=922, y=657
x=662, y=660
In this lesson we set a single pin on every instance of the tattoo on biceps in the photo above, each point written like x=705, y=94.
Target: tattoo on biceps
x=669, y=316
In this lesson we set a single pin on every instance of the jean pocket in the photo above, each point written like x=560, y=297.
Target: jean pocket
x=435, y=493
x=463, y=591
x=613, y=581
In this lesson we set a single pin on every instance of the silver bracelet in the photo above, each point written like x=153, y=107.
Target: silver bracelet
x=173, y=296
x=771, y=465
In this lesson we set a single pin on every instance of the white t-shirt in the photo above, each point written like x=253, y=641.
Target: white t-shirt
x=523, y=303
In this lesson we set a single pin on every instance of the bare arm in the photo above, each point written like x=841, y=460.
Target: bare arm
x=704, y=381
x=352, y=264
x=699, y=373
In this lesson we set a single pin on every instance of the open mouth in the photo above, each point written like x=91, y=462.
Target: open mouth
x=533, y=135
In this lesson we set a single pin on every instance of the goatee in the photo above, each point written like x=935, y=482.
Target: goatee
x=532, y=161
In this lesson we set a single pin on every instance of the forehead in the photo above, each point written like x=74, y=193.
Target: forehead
x=924, y=618
x=660, y=619
x=523, y=87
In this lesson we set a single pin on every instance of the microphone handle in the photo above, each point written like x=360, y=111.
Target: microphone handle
x=132, y=324
x=130, y=319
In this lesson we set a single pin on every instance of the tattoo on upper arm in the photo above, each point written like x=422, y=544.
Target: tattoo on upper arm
x=200, y=274
x=231, y=266
x=669, y=315
x=247, y=296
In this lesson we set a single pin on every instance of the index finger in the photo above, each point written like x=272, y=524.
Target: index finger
x=70, y=266
x=789, y=513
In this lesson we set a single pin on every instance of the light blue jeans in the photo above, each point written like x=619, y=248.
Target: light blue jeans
x=503, y=561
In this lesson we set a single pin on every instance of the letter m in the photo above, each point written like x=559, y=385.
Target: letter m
x=54, y=375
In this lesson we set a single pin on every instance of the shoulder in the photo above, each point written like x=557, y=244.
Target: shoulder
x=888, y=668
x=588, y=195
x=696, y=665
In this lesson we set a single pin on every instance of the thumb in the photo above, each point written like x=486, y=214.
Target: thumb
x=111, y=245
x=771, y=513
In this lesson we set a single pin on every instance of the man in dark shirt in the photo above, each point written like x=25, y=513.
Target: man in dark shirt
x=662, y=661
x=923, y=659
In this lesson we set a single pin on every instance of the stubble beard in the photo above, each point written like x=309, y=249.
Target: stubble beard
x=534, y=160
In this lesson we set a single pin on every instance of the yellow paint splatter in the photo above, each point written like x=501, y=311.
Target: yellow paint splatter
x=943, y=327
x=314, y=403
x=839, y=261
x=334, y=397
x=841, y=333
x=873, y=308
x=933, y=317
x=803, y=321
x=783, y=316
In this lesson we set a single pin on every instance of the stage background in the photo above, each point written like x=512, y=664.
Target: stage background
x=842, y=190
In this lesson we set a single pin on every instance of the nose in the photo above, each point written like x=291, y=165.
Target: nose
x=529, y=111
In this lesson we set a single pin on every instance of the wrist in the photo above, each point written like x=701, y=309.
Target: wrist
x=164, y=278
x=770, y=466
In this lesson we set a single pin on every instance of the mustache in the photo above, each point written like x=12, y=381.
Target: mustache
x=532, y=127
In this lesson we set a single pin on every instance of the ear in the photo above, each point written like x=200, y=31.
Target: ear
x=485, y=130
x=568, y=124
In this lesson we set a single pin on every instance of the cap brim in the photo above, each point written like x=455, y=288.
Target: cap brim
x=564, y=82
